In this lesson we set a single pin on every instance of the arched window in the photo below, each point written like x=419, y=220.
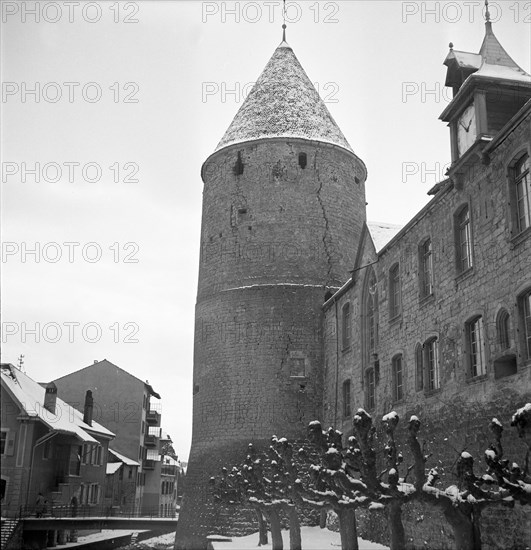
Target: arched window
x=394, y=291
x=346, y=326
x=370, y=328
x=522, y=193
x=502, y=327
x=397, y=368
x=303, y=160
x=419, y=368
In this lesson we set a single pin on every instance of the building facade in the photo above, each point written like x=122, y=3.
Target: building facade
x=125, y=404
x=53, y=456
x=432, y=319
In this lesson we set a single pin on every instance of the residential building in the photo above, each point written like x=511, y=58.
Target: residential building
x=126, y=405
x=49, y=448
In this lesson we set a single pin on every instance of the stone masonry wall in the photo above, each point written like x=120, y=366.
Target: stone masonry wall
x=455, y=417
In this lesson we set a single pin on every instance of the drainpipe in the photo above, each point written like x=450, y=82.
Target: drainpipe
x=39, y=441
x=337, y=367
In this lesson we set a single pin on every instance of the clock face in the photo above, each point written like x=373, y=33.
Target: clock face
x=466, y=129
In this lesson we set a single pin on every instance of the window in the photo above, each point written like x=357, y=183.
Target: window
x=398, y=378
x=419, y=369
x=3, y=441
x=394, y=291
x=47, y=450
x=370, y=321
x=522, y=185
x=347, y=326
x=297, y=367
x=524, y=306
x=303, y=160
x=502, y=327
x=463, y=240
x=346, y=398
x=431, y=359
x=426, y=269
x=476, y=347
x=370, y=395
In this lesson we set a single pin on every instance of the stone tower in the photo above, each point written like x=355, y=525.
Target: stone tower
x=283, y=209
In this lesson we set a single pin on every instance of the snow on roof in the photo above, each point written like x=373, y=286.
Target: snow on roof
x=382, y=233
x=124, y=459
x=283, y=103
x=113, y=467
x=465, y=60
x=29, y=395
x=502, y=72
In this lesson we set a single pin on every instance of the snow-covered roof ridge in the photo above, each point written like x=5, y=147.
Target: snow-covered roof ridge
x=283, y=103
x=382, y=232
x=122, y=458
x=29, y=396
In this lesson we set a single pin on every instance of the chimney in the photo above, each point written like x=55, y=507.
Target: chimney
x=50, y=397
x=88, y=409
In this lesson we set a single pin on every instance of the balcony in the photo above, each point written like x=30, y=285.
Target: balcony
x=153, y=418
x=150, y=440
x=148, y=464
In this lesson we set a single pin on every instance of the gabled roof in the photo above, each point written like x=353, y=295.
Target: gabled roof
x=283, y=103
x=113, y=467
x=122, y=458
x=382, y=233
x=109, y=364
x=29, y=396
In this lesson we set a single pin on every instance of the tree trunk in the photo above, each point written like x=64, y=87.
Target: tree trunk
x=396, y=527
x=262, y=528
x=347, y=529
x=276, y=530
x=322, y=519
x=295, y=542
x=463, y=530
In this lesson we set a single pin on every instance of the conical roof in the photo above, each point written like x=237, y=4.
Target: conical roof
x=283, y=103
x=493, y=52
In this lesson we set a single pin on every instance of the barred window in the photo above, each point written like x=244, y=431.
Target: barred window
x=522, y=185
x=426, y=268
x=346, y=398
x=398, y=378
x=394, y=291
x=463, y=240
x=431, y=359
x=502, y=326
x=476, y=347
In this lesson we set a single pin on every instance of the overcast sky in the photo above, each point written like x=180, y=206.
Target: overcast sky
x=131, y=97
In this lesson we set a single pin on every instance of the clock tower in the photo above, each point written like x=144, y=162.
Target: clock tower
x=489, y=88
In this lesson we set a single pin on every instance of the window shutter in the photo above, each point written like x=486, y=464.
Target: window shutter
x=10, y=443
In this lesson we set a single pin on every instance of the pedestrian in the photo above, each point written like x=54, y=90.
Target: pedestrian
x=40, y=505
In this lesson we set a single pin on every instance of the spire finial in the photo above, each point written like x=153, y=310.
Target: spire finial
x=487, y=12
x=284, y=26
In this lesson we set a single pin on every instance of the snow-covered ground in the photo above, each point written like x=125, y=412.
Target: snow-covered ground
x=313, y=538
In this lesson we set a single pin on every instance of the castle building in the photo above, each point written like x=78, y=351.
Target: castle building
x=432, y=319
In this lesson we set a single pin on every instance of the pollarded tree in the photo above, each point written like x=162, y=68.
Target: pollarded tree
x=330, y=486
x=504, y=483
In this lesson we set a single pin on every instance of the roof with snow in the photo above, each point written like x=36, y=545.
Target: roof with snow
x=382, y=233
x=29, y=396
x=113, y=467
x=283, y=103
x=122, y=458
x=492, y=61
